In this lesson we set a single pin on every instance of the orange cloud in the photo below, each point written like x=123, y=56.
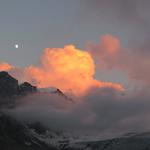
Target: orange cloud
x=106, y=52
x=134, y=62
x=110, y=44
x=5, y=66
x=68, y=68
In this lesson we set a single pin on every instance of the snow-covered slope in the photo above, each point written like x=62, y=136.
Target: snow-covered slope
x=15, y=135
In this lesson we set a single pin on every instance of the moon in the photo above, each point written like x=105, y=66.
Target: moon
x=16, y=46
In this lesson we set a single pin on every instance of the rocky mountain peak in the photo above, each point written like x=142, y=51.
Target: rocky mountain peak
x=8, y=85
x=27, y=88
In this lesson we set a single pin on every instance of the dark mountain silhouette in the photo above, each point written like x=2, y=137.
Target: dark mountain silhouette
x=10, y=90
x=26, y=88
x=8, y=85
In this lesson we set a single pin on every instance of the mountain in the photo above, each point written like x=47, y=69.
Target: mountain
x=15, y=135
x=10, y=90
x=57, y=91
x=26, y=88
x=18, y=135
x=123, y=143
x=60, y=93
x=8, y=85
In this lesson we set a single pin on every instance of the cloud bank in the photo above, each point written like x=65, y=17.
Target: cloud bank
x=103, y=111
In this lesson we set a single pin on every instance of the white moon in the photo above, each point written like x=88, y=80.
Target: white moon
x=16, y=46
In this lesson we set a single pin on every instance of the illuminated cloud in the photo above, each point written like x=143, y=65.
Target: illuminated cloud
x=5, y=66
x=109, y=54
x=69, y=69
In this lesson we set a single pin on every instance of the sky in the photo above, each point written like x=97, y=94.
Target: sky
x=35, y=25
x=97, y=49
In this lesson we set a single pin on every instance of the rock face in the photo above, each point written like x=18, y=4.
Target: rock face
x=128, y=143
x=16, y=136
x=8, y=85
x=26, y=88
x=10, y=90
x=38, y=127
x=60, y=93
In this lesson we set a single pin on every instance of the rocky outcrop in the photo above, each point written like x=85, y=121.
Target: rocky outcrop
x=16, y=136
x=26, y=88
x=8, y=85
x=10, y=90
x=38, y=127
x=60, y=93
